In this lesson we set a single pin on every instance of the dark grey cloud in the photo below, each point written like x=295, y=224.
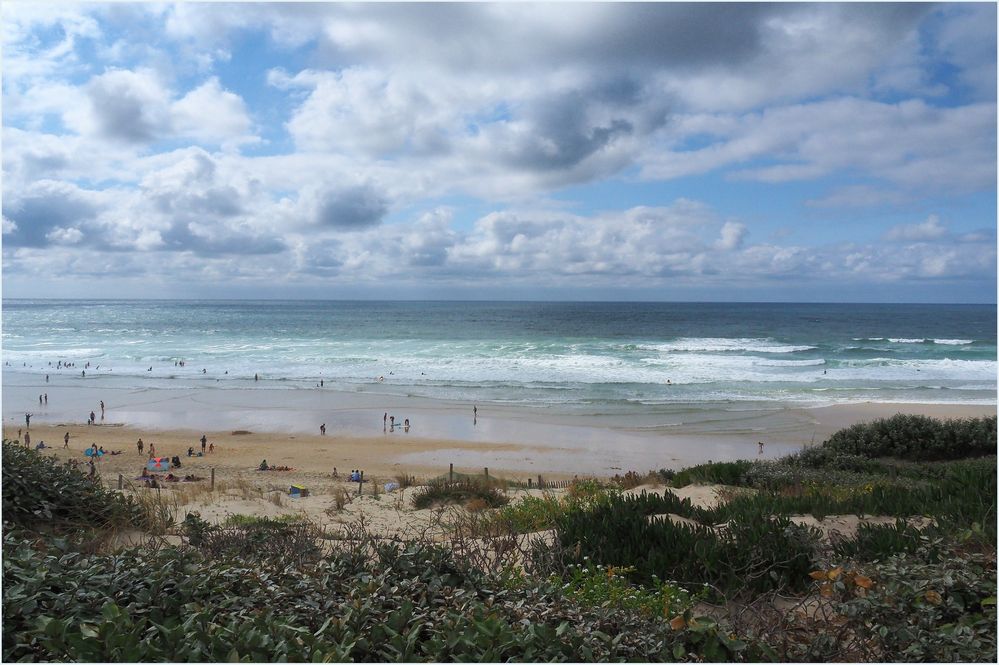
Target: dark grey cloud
x=47, y=207
x=215, y=240
x=350, y=208
x=559, y=130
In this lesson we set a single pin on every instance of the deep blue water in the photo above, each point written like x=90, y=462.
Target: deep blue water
x=581, y=356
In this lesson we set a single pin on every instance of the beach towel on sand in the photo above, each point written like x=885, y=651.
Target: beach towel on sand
x=158, y=464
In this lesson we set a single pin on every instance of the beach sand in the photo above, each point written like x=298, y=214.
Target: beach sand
x=509, y=443
x=241, y=489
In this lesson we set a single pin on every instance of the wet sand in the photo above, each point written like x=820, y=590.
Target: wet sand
x=519, y=442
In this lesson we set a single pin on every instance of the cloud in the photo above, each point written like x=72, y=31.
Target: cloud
x=910, y=144
x=732, y=236
x=45, y=208
x=931, y=229
x=350, y=208
x=210, y=113
x=127, y=106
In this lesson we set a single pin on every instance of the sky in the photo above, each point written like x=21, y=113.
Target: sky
x=554, y=151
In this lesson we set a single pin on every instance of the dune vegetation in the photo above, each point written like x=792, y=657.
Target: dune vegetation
x=605, y=571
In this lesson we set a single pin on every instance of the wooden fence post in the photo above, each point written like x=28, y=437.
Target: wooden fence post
x=121, y=481
x=213, y=478
x=487, y=473
x=360, y=482
x=541, y=484
x=450, y=473
x=529, y=481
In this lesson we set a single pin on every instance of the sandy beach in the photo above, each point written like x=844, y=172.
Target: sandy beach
x=510, y=448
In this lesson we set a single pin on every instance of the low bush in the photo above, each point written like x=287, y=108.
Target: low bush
x=757, y=552
x=913, y=607
x=460, y=491
x=370, y=603
x=291, y=541
x=918, y=438
x=877, y=542
x=606, y=586
x=38, y=491
x=725, y=473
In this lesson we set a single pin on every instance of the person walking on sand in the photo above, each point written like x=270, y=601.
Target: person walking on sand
x=322, y=429
x=93, y=418
x=211, y=448
x=761, y=448
x=204, y=443
x=27, y=439
x=139, y=445
x=65, y=440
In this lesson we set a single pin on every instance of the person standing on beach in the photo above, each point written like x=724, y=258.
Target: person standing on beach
x=322, y=429
x=139, y=446
x=27, y=439
x=761, y=448
x=27, y=421
x=65, y=440
x=46, y=398
x=93, y=418
x=102, y=409
x=39, y=400
x=204, y=443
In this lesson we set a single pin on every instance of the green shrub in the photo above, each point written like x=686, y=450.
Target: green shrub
x=371, y=603
x=606, y=586
x=37, y=491
x=459, y=491
x=725, y=473
x=757, y=552
x=877, y=542
x=291, y=541
x=918, y=438
x=917, y=607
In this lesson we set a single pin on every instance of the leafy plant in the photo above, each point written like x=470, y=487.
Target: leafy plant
x=37, y=490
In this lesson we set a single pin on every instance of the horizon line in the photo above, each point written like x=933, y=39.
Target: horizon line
x=504, y=300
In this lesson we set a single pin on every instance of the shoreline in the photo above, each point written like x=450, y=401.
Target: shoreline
x=516, y=441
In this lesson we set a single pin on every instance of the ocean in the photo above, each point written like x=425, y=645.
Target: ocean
x=573, y=358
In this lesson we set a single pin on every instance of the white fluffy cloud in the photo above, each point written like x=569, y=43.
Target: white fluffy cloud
x=333, y=152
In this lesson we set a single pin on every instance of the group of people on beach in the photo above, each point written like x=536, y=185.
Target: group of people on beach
x=388, y=423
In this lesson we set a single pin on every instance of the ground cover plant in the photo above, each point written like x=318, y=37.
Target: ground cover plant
x=39, y=491
x=614, y=583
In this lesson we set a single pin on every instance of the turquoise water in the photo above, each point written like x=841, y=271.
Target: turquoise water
x=587, y=358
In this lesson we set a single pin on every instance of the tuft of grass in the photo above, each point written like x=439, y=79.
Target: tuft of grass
x=461, y=491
